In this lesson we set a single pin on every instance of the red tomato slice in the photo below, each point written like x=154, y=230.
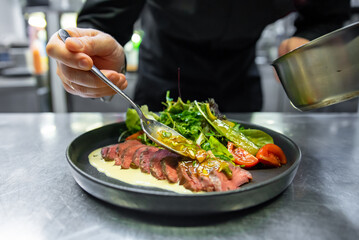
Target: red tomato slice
x=241, y=156
x=272, y=155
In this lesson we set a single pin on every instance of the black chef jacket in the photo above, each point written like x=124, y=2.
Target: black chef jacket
x=211, y=41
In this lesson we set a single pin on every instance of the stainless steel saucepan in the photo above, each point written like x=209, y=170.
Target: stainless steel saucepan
x=322, y=72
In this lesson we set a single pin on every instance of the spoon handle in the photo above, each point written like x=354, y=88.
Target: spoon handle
x=99, y=74
x=63, y=34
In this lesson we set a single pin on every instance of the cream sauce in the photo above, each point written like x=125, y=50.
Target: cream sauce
x=132, y=176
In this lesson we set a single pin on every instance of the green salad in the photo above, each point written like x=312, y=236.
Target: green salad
x=204, y=124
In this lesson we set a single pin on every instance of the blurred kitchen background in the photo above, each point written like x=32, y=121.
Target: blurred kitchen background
x=28, y=80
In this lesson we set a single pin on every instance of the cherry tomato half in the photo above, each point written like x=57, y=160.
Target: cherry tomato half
x=271, y=155
x=135, y=135
x=241, y=156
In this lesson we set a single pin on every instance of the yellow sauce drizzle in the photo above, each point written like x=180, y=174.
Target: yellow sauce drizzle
x=185, y=146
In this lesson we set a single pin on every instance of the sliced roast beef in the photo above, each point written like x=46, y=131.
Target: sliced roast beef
x=163, y=164
x=112, y=152
x=213, y=181
x=182, y=173
x=145, y=159
x=169, y=167
x=104, y=152
x=137, y=155
x=222, y=183
x=187, y=176
x=127, y=155
x=192, y=173
x=109, y=153
x=121, y=147
x=155, y=163
x=206, y=182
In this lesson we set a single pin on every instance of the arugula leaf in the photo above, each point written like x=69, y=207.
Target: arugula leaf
x=238, y=138
x=219, y=150
x=183, y=118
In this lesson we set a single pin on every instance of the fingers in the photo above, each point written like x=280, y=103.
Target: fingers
x=86, y=84
x=57, y=50
x=104, y=50
x=91, y=42
x=88, y=79
x=78, y=49
x=88, y=92
x=85, y=48
x=291, y=44
x=79, y=53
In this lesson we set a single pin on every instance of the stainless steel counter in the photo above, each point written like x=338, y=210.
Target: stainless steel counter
x=39, y=199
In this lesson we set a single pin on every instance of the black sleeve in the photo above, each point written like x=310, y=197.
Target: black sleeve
x=318, y=17
x=115, y=17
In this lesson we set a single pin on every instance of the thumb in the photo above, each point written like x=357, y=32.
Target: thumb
x=91, y=42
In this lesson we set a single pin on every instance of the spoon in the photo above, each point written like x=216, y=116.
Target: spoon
x=152, y=128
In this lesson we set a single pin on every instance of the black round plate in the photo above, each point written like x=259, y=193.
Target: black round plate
x=266, y=183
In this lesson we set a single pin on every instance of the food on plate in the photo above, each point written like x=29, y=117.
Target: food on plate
x=219, y=152
x=210, y=175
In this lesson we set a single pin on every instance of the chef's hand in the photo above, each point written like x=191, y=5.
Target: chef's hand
x=290, y=44
x=79, y=53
